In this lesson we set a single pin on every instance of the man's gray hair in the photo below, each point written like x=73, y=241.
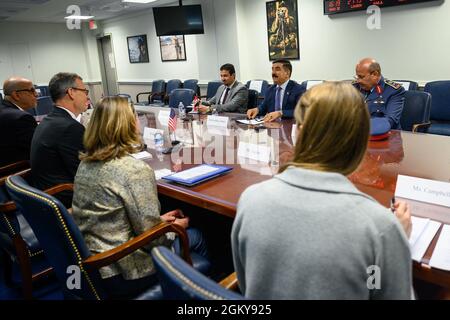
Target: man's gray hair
x=59, y=84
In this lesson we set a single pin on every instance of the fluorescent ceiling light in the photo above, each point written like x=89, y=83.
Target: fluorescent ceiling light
x=139, y=1
x=79, y=17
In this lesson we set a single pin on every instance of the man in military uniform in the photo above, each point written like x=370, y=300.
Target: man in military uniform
x=384, y=98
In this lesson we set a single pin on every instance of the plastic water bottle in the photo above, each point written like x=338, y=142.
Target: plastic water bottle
x=159, y=141
x=181, y=110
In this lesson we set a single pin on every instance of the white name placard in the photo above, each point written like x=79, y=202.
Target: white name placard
x=217, y=121
x=254, y=151
x=163, y=117
x=425, y=190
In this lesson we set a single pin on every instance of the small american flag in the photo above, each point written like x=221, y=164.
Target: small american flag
x=172, y=120
x=195, y=103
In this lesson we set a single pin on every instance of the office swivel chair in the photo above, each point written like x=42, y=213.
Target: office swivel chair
x=193, y=85
x=408, y=85
x=181, y=95
x=212, y=89
x=44, y=105
x=157, y=93
x=440, y=107
x=171, y=85
x=416, y=111
x=260, y=86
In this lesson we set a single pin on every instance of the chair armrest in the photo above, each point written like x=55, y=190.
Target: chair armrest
x=141, y=93
x=14, y=167
x=59, y=188
x=230, y=282
x=416, y=126
x=106, y=258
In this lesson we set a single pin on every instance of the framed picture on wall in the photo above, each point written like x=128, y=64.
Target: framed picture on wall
x=172, y=48
x=137, y=49
x=282, y=29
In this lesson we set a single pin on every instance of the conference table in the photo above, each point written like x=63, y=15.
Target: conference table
x=256, y=153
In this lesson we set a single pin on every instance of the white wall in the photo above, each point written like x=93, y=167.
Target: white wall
x=413, y=43
x=53, y=48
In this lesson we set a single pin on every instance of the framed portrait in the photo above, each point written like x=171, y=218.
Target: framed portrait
x=172, y=48
x=137, y=49
x=282, y=29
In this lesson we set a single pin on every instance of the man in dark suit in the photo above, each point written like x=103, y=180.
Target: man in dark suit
x=16, y=125
x=58, y=139
x=281, y=98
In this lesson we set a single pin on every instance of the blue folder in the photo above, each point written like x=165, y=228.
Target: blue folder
x=218, y=170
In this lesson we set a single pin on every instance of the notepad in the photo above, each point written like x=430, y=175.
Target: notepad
x=162, y=173
x=197, y=174
x=252, y=121
x=441, y=254
x=423, y=232
x=142, y=155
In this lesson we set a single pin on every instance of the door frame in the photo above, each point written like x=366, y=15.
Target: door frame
x=102, y=62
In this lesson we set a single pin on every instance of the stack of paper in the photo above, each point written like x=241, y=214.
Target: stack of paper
x=423, y=232
x=162, y=173
x=441, y=254
x=142, y=155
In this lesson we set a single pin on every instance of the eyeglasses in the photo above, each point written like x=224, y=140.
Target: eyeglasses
x=31, y=90
x=86, y=91
x=358, y=77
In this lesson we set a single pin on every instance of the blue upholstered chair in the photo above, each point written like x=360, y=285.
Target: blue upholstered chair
x=179, y=281
x=181, y=95
x=65, y=247
x=25, y=265
x=43, y=91
x=440, y=107
x=193, y=85
x=157, y=93
x=311, y=83
x=172, y=85
x=252, y=99
x=408, y=85
x=212, y=89
x=416, y=111
x=44, y=105
x=260, y=86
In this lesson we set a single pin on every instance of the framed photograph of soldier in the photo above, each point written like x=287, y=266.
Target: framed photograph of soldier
x=282, y=29
x=137, y=49
x=172, y=48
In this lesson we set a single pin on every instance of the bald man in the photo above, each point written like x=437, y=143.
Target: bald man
x=384, y=98
x=16, y=125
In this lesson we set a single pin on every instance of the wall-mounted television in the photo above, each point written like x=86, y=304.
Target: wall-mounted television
x=178, y=20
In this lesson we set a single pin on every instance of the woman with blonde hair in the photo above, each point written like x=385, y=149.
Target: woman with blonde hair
x=309, y=233
x=115, y=198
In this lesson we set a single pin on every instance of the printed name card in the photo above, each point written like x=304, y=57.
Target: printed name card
x=217, y=121
x=163, y=117
x=425, y=190
x=254, y=151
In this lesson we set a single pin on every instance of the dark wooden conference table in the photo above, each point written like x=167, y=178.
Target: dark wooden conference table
x=413, y=154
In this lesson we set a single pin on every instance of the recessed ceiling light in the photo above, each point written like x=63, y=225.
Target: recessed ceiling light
x=139, y=1
x=79, y=17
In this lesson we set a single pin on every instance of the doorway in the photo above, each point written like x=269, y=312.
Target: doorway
x=107, y=65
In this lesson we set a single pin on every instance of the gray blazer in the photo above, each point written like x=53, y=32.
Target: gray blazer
x=307, y=234
x=236, y=100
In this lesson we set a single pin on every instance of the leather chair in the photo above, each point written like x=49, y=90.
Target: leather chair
x=308, y=84
x=179, y=281
x=181, y=95
x=157, y=93
x=44, y=105
x=212, y=89
x=440, y=107
x=416, y=111
x=171, y=85
x=43, y=91
x=65, y=247
x=193, y=85
x=253, y=84
x=252, y=99
x=408, y=85
x=25, y=264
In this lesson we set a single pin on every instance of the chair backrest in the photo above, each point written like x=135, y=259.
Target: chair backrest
x=440, y=104
x=416, y=109
x=172, y=85
x=252, y=99
x=408, y=85
x=44, y=105
x=260, y=86
x=59, y=237
x=1, y=97
x=181, y=95
x=181, y=281
x=32, y=111
x=193, y=85
x=212, y=88
x=158, y=86
x=43, y=91
x=311, y=83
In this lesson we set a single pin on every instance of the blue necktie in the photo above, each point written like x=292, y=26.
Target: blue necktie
x=277, y=99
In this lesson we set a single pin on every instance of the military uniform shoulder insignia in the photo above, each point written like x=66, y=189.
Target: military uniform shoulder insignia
x=393, y=84
x=354, y=82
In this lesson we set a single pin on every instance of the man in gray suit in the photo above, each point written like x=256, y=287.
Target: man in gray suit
x=232, y=96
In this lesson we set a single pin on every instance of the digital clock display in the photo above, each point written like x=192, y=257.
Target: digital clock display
x=340, y=6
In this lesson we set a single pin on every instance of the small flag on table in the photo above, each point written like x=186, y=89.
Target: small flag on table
x=172, y=120
x=195, y=103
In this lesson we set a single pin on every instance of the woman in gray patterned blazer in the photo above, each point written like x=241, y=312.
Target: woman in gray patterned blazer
x=115, y=197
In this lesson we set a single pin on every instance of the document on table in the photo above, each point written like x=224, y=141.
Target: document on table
x=423, y=232
x=194, y=172
x=162, y=173
x=441, y=255
x=142, y=155
x=252, y=121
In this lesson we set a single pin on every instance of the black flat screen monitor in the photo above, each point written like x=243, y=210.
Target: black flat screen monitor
x=178, y=20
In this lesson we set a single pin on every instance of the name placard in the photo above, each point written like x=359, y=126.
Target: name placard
x=163, y=117
x=217, y=121
x=425, y=190
x=254, y=151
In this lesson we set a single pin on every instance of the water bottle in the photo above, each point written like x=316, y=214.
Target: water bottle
x=181, y=110
x=159, y=141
